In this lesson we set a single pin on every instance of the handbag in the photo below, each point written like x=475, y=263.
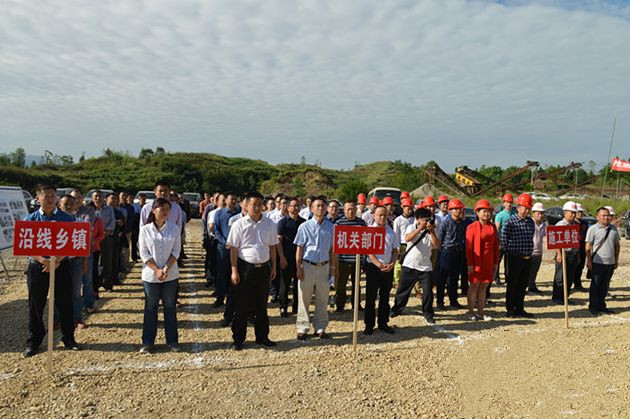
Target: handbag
x=589, y=274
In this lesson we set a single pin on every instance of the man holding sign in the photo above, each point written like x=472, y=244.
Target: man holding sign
x=571, y=256
x=38, y=275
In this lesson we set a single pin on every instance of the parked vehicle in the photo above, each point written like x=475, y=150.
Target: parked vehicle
x=150, y=197
x=539, y=196
x=383, y=192
x=33, y=204
x=555, y=214
x=29, y=200
x=194, y=199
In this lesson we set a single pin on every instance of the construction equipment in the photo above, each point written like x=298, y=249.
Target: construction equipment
x=500, y=183
x=470, y=179
x=436, y=173
x=551, y=175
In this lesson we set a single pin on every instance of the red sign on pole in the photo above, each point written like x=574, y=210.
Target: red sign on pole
x=619, y=165
x=359, y=240
x=51, y=238
x=563, y=237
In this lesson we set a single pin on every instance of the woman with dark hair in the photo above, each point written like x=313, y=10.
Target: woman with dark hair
x=159, y=246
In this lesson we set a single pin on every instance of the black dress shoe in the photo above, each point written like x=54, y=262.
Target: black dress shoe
x=510, y=314
x=535, y=291
x=608, y=311
x=217, y=303
x=440, y=307
x=395, y=313
x=224, y=322
x=580, y=289
x=368, y=331
x=29, y=352
x=387, y=329
x=524, y=314
x=323, y=335
x=339, y=310
x=266, y=342
x=302, y=336
x=595, y=312
x=238, y=346
x=456, y=305
x=283, y=312
x=430, y=320
x=558, y=302
x=361, y=308
x=72, y=346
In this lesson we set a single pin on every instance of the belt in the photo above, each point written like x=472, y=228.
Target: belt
x=454, y=249
x=255, y=265
x=520, y=256
x=316, y=264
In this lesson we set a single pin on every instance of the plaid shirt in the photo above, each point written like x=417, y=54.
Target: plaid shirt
x=517, y=236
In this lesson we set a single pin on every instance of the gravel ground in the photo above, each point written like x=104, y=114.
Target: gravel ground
x=503, y=368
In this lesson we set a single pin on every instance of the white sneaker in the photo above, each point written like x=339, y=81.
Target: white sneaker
x=487, y=318
x=472, y=317
x=145, y=349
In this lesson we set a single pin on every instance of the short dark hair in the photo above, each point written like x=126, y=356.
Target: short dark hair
x=67, y=196
x=349, y=201
x=142, y=194
x=98, y=191
x=255, y=194
x=230, y=193
x=280, y=195
x=422, y=213
x=111, y=194
x=318, y=198
x=162, y=183
x=41, y=187
x=311, y=197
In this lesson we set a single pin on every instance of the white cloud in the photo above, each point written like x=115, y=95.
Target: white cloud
x=460, y=82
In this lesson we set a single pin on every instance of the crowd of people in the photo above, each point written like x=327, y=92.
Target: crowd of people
x=280, y=249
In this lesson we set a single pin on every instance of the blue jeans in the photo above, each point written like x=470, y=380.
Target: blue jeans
x=153, y=293
x=88, y=287
x=76, y=269
x=223, y=271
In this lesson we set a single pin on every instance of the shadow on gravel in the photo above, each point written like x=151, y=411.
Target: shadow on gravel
x=13, y=325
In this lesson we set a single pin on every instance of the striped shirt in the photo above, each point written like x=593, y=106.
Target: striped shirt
x=517, y=236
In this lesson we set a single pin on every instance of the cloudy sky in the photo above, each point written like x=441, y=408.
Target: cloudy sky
x=459, y=82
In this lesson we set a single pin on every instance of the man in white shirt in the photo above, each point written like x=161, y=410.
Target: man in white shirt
x=404, y=220
x=252, y=242
x=306, y=211
x=540, y=232
x=380, y=277
x=417, y=267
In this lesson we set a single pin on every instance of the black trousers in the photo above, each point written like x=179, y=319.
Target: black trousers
x=116, y=258
x=107, y=261
x=97, y=278
x=600, y=282
x=408, y=279
x=251, y=295
x=558, y=293
x=377, y=283
x=289, y=279
x=452, y=267
x=517, y=280
x=135, y=233
x=533, y=272
x=579, y=268
x=38, y=283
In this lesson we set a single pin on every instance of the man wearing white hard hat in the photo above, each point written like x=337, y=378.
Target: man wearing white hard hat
x=540, y=232
x=572, y=257
x=579, y=218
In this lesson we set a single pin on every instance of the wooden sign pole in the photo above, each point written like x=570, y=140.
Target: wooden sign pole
x=51, y=314
x=564, y=287
x=357, y=292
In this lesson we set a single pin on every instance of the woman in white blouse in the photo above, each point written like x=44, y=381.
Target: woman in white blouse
x=159, y=245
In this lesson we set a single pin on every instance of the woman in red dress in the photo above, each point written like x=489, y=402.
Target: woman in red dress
x=482, y=255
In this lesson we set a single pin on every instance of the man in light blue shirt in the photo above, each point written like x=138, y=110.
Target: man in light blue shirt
x=315, y=262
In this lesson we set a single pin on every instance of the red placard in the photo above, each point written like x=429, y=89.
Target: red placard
x=563, y=237
x=51, y=238
x=353, y=240
x=619, y=165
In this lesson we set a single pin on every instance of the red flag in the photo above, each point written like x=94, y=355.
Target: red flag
x=619, y=165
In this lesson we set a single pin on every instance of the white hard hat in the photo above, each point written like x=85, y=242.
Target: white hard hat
x=580, y=208
x=610, y=209
x=538, y=206
x=570, y=206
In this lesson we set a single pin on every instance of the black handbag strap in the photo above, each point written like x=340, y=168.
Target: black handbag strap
x=601, y=243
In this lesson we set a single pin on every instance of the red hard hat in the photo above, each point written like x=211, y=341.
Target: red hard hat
x=428, y=201
x=508, y=197
x=525, y=200
x=420, y=205
x=482, y=204
x=407, y=203
x=442, y=198
x=361, y=198
x=374, y=200
x=455, y=203
x=388, y=200
x=404, y=194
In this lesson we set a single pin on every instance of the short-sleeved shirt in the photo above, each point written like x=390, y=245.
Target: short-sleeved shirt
x=287, y=227
x=400, y=225
x=564, y=222
x=606, y=253
x=418, y=257
x=316, y=239
x=57, y=215
x=391, y=243
x=502, y=218
x=253, y=238
x=159, y=245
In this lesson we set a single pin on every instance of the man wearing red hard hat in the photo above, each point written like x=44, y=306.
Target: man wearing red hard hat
x=517, y=239
x=442, y=213
x=499, y=220
x=368, y=216
x=452, y=236
x=361, y=201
